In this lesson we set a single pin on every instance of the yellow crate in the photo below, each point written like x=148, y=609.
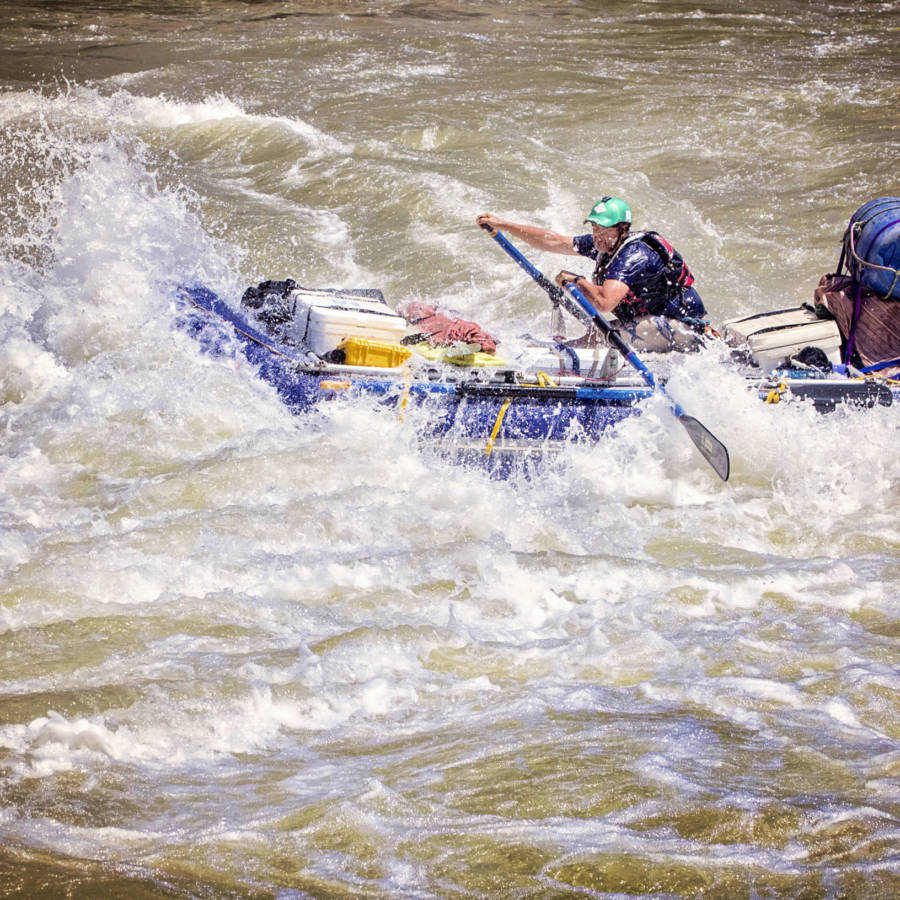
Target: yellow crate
x=360, y=352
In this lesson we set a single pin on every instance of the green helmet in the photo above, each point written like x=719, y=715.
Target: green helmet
x=609, y=211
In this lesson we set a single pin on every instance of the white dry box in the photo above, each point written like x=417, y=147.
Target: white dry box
x=323, y=318
x=557, y=359
x=774, y=336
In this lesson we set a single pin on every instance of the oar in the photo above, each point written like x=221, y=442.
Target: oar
x=710, y=447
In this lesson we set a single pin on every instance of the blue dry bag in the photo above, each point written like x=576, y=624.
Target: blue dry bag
x=872, y=246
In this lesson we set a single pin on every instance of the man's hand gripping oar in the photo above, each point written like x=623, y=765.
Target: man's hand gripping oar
x=710, y=447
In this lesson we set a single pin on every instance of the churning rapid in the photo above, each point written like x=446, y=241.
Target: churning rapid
x=252, y=654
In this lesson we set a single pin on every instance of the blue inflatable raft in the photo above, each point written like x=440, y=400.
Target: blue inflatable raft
x=504, y=416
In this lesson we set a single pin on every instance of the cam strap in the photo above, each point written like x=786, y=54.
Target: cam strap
x=496, y=429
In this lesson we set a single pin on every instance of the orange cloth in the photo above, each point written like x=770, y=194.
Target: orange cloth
x=444, y=328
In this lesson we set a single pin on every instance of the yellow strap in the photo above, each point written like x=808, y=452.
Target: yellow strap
x=543, y=380
x=405, y=395
x=497, y=424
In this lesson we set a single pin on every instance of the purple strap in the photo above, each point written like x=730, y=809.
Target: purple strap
x=857, y=306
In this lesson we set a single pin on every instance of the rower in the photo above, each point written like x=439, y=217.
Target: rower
x=638, y=276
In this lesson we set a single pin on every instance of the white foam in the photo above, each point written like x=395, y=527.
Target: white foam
x=53, y=743
x=27, y=371
x=135, y=112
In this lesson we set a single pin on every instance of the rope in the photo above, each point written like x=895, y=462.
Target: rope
x=774, y=396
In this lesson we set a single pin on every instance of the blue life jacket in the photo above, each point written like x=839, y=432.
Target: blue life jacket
x=660, y=282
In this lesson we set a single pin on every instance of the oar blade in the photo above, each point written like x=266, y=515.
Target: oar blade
x=710, y=447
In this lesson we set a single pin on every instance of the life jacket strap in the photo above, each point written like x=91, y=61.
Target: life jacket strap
x=676, y=274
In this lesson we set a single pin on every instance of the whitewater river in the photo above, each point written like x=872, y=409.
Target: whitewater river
x=254, y=655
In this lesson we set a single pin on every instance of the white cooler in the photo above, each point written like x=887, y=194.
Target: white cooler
x=323, y=319
x=773, y=336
